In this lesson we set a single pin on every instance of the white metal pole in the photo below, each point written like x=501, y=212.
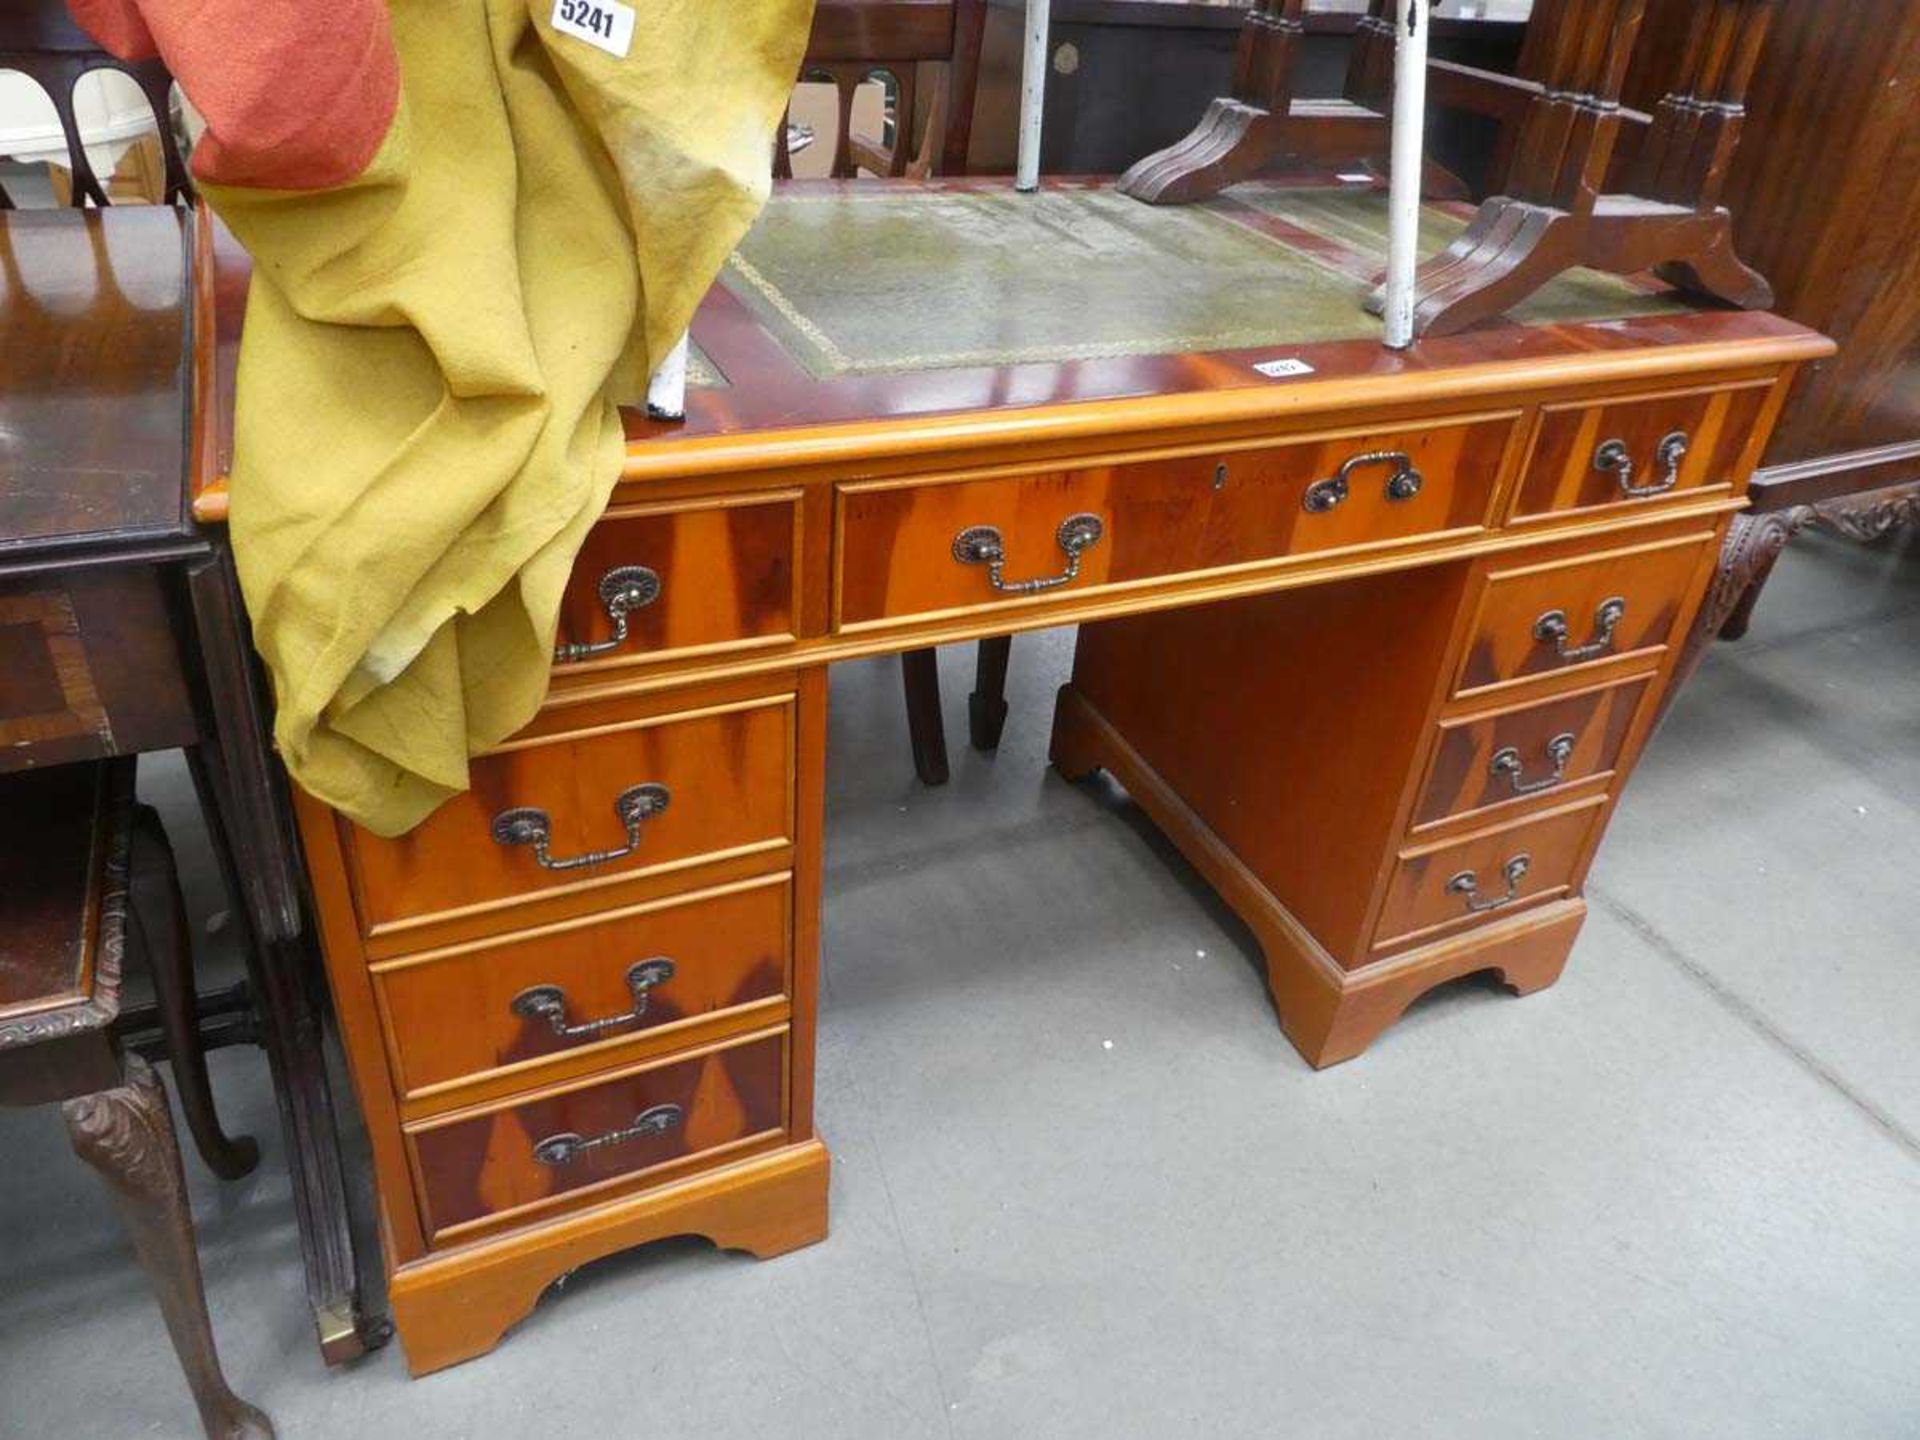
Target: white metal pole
x=1411, y=22
x=1033, y=94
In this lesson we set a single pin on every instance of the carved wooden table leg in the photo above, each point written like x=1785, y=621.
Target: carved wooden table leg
x=1239, y=133
x=235, y=777
x=169, y=951
x=1753, y=543
x=126, y=1135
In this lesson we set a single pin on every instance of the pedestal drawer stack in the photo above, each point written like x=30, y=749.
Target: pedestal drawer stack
x=578, y=997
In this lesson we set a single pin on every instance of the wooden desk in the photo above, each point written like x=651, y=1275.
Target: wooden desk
x=121, y=629
x=1376, y=644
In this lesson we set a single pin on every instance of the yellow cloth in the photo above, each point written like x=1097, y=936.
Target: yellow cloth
x=426, y=423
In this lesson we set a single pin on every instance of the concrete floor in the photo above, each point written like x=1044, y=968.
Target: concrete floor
x=1083, y=1187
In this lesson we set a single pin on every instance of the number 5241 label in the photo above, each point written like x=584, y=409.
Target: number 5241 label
x=605, y=23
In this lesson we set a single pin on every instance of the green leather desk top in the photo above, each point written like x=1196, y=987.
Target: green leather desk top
x=862, y=279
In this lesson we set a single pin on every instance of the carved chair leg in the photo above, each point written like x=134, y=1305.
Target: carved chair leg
x=168, y=947
x=1747, y=555
x=987, y=705
x=126, y=1135
x=926, y=730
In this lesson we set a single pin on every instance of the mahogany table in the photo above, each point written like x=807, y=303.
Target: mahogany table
x=121, y=628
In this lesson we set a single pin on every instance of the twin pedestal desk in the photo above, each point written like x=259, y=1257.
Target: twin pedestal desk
x=1375, y=639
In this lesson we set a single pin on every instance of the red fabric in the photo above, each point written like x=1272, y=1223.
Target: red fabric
x=297, y=94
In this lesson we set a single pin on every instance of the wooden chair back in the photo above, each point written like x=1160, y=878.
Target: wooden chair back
x=857, y=40
x=38, y=39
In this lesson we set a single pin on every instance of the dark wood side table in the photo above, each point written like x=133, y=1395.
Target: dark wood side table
x=65, y=863
x=121, y=629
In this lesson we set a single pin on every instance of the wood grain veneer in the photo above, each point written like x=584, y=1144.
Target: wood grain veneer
x=450, y=1017
x=1186, y=513
x=1465, y=780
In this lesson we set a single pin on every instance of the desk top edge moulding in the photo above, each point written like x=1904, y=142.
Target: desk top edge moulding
x=1555, y=212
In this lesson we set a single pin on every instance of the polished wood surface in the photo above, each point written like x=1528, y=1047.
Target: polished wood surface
x=727, y=767
x=92, y=378
x=1716, y=429
x=1507, y=642
x=772, y=401
x=726, y=576
x=90, y=666
x=455, y=1305
x=472, y=1167
x=1186, y=513
x=1492, y=760
x=1310, y=831
x=451, y=1018
x=1426, y=901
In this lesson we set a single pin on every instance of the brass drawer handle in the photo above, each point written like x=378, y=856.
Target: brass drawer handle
x=1613, y=455
x=565, y=1148
x=1551, y=629
x=530, y=825
x=1468, y=884
x=623, y=589
x=1507, y=762
x=549, y=1002
x=985, y=545
x=1403, y=484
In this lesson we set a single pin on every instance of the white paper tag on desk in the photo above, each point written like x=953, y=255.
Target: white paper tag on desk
x=1283, y=369
x=605, y=23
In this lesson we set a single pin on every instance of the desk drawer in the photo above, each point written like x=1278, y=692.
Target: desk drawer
x=1543, y=617
x=595, y=985
x=1453, y=885
x=1528, y=752
x=658, y=1122
x=653, y=582
x=612, y=798
x=914, y=547
x=1633, y=450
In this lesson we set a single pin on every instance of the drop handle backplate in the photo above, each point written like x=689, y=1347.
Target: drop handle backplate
x=1402, y=484
x=530, y=825
x=622, y=590
x=565, y=1148
x=985, y=545
x=1508, y=763
x=1551, y=629
x=1467, y=884
x=1614, y=456
x=549, y=1002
